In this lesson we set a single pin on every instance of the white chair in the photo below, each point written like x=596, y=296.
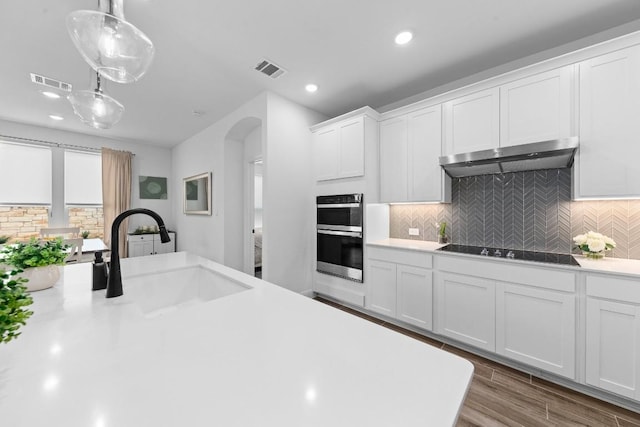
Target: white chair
x=64, y=232
x=75, y=250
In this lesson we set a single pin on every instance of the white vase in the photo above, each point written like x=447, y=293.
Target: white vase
x=41, y=277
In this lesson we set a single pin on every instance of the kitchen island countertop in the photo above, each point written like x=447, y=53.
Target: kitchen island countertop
x=262, y=357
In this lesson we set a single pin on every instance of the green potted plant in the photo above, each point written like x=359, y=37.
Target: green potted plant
x=85, y=234
x=39, y=260
x=13, y=300
x=442, y=232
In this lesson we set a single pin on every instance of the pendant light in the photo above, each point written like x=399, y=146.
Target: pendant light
x=112, y=46
x=95, y=108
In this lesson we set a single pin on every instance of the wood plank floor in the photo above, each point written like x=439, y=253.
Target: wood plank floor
x=502, y=396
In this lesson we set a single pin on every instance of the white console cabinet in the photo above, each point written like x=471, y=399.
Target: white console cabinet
x=149, y=244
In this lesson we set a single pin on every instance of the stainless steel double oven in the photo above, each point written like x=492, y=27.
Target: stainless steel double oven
x=339, y=235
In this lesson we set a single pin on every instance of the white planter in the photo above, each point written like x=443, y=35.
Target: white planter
x=41, y=277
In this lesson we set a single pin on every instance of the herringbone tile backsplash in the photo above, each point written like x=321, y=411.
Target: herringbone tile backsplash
x=525, y=210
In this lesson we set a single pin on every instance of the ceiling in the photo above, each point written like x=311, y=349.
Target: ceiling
x=206, y=52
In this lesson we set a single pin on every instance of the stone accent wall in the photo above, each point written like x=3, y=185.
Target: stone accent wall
x=88, y=219
x=23, y=222
x=525, y=210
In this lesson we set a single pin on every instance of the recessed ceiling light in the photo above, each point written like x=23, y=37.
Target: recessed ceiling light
x=404, y=37
x=51, y=95
x=55, y=117
x=311, y=88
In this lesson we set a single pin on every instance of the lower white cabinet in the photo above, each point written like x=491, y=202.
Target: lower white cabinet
x=531, y=318
x=149, y=244
x=466, y=309
x=414, y=296
x=381, y=293
x=613, y=335
x=537, y=327
x=401, y=288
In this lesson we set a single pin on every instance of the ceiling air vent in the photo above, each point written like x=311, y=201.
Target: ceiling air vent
x=49, y=82
x=270, y=69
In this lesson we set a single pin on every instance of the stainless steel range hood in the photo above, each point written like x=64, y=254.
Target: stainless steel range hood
x=554, y=154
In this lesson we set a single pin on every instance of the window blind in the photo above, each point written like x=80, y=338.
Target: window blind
x=25, y=174
x=82, y=178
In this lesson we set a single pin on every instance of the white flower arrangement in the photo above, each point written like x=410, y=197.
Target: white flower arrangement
x=594, y=244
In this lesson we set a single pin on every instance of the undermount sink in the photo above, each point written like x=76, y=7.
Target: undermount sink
x=159, y=293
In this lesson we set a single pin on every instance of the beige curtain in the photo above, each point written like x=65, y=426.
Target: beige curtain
x=116, y=192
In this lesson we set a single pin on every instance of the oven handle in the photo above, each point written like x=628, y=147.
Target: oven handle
x=341, y=233
x=339, y=205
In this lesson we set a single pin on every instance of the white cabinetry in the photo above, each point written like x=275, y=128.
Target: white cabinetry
x=537, y=326
x=401, y=286
x=472, y=122
x=381, y=295
x=613, y=334
x=537, y=108
x=339, y=145
x=466, y=309
x=149, y=244
x=410, y=146
x=394, y=160
x=609, y=126
x=531, y=320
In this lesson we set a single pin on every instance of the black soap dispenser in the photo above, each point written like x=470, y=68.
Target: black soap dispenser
x=99, y=273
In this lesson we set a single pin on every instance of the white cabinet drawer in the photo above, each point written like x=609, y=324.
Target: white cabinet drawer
x=401, y=256
x=506, y=271
x=616, y=288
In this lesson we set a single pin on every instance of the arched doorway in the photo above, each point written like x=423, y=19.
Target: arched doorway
x=242, y=149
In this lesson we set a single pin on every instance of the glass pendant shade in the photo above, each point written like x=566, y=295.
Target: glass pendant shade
x=112, y=46
x=95, y=108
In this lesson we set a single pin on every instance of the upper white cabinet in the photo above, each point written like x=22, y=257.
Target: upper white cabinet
x=410, y=146
x=537, y=108
x=394, y=160
x=472, y=122
x=613, y=334
x=339, y=144
x=607, y=161
x=339, y=150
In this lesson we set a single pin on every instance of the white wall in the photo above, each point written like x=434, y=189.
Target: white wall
x=234, y=204
x=285, y=142
x=148, y=161
x=204, y=152
x=288, y=195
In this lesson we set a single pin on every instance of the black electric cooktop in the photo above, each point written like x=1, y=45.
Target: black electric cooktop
x=548, y=257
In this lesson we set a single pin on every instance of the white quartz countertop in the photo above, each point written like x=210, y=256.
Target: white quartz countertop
x=262, y=357
x=416, y=245
x=608, y=265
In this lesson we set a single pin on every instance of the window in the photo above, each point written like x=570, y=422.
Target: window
x=25, y=175
x=25, y=189
x=82, y=178
x=49, y=187
x=83, y=191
